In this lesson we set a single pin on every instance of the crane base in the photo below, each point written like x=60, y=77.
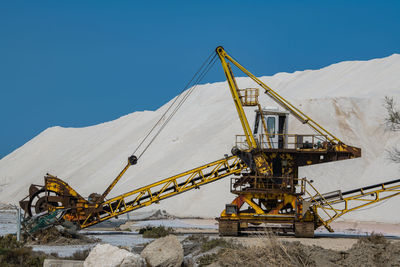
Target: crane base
x=304, y=229
x=243, y=227
x=228, y=228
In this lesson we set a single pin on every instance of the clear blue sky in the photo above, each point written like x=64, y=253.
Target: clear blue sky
x=79, y=63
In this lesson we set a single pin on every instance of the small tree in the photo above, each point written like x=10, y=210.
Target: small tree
x=394, y=154
x=393, y=114
x=393, y=123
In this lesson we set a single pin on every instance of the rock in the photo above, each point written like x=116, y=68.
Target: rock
x=163, y=252
x=110, y=256
x=133, y=260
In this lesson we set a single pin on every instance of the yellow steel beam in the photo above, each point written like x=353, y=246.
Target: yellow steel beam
x=132, y=160
x=355, y=202
x=236, y=99
x=115, y=181
x=264, y=124
x=166, y=188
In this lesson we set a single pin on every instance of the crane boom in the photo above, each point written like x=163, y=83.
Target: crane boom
x=225, y=57
x=236, y=98
x=330, y=206
x=86, y=214
x=166, y=188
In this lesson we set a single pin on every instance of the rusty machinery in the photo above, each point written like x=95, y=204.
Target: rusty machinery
x=264, y=161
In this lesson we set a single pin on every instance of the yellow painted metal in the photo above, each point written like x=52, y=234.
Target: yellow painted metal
x=327, y=210
x=166, y=188
x=111, y=186
x=259, y=213
x=277, y=98
x=249, y=96
x=317, y=200
x=314, y=207
x=358, y=201
x=265, y=128
x=55, y=184
x=263, y=166
x=236, y=98
x=248, y=199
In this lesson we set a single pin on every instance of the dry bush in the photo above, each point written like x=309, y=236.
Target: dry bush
x=375, y=238
x=392, y=121
x=394, y=154
x=155, y=232
x=392, y=118
x=207, y=259
x=216, y=242
x=373, y=250
x=79, y=255
x=271, y=252
x=197, y=238
x=58, y=236
x=13, y=253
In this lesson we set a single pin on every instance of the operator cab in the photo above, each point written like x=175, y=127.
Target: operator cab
x=276, y=123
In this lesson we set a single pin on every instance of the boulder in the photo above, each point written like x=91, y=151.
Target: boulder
x=110, y=256
x=163, y=252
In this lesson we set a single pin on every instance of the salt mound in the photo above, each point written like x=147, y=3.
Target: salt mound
x=346, y=98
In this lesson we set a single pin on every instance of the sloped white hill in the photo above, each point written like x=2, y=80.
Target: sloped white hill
x=346, y=98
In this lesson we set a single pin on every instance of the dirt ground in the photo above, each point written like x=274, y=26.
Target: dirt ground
x=337, y=244
x=374, y=250
x=260, y=250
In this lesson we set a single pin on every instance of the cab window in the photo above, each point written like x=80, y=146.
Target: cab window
x=271, y=126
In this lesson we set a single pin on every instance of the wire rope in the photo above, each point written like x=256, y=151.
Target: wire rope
x=196, y=79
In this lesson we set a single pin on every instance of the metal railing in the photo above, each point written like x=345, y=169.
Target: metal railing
x=164, y=189
x=319, y=203
x=264, y=184
x=249, y=96
x=287, y=141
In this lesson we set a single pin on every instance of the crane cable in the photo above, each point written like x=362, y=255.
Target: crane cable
x=197, y=78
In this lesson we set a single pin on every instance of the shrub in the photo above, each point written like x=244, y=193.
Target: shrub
x=197, y=238
x=207, y=259
x=12, y=253
x=213, y=243
x=375, y=238
x=155, y=232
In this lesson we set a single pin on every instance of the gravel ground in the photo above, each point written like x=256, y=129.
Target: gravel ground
x=185, y=226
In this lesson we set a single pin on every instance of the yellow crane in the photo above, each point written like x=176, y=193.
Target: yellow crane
x=264, y=165
x=268, y=193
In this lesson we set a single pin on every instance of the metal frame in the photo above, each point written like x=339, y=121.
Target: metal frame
x=166, y=188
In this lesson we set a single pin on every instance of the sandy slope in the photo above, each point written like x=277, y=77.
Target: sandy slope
x=345, y=97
